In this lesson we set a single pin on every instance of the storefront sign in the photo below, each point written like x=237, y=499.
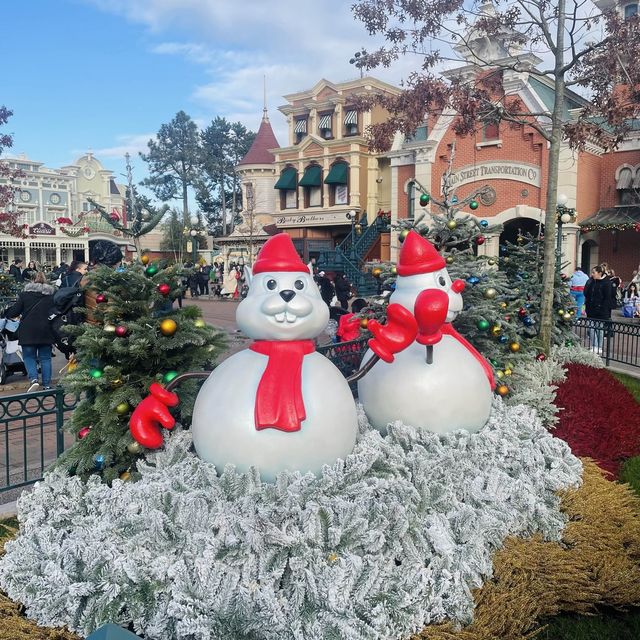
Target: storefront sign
x=313, y=219
x=42, y=229
x=505, y=170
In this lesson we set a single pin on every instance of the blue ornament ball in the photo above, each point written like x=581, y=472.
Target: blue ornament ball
x=473, y=280
x=528, y=321
x=454, y=200
x=99, y=461
x=502, y=339
x=484, y=223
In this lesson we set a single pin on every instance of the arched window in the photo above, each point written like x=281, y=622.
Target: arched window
x=287, y=184
x=311, y=181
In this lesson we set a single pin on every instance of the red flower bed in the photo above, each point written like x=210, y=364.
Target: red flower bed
x=599, y=418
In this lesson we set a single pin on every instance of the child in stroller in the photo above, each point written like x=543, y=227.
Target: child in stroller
x=11, y=362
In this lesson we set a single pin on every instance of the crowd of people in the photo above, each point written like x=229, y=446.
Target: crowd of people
x=597, y=295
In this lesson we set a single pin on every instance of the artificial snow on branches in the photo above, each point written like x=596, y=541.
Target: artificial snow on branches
x=391, y=539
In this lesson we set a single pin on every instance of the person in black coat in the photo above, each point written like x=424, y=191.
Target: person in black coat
x=74, y=274
x=34, y=304
x=598, y=296
x=343, y=290
x=16, y=269
x=326, y=288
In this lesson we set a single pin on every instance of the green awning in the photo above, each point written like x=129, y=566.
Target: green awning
x=311, y=177
x=287, y=180
x=337, y=174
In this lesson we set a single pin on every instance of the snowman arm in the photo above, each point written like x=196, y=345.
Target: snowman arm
x=395, y=336
x=448, y=329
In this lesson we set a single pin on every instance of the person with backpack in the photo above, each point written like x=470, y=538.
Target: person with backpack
x=35, y=336
x=74, y=274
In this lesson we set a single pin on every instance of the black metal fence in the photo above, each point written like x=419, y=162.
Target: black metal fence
x=615, y=341
x=31, y=435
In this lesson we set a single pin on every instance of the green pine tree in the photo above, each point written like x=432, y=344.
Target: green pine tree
x=113, y=372
x=9, y=287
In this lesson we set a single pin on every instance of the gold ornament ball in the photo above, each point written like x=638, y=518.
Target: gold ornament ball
x=394, y=271
x=168, y=327
x=491, y=261
x=116, y=383
x=561, y=313
x=144, y=259
x=122, y=409
x=500, y=374
x=364, y=322
x=503, y=305
x=496, y=330
x=452, y=224
x=490, y=293
x=125, y=476
x=72, y=366
x=403, y=234
x=515, y=347
x=109, y=328
x=200, y=323
x=449, y=259
x=507, y=372
x=377, y=272
x=502, y=390
x=135, y=447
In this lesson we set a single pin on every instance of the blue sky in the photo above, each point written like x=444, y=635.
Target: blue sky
x=105, y=74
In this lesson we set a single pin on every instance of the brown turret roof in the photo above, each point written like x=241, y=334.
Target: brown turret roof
x=265, y=140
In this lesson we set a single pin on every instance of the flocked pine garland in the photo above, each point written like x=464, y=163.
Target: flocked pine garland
x=391, y=540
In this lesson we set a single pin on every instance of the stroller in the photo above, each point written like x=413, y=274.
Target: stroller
x=11, y=362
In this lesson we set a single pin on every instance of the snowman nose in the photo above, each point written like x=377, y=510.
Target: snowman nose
x=287, y=294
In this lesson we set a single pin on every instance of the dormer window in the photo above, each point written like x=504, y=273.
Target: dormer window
x=351, y=123
x=630, y=10
x=324, y=126
x=300, y=129
x=490, y=131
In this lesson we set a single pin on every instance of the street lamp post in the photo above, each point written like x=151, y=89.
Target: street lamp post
x=564, y=216
x=192, y=232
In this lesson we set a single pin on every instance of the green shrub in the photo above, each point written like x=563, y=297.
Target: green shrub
x=630, y=473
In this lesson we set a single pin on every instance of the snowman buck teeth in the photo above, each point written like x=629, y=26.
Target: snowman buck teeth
x=285, y=315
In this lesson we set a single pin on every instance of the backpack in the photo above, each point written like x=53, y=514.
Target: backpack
x=62, y=315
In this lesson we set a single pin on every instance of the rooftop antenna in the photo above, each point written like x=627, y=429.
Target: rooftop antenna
x=265, y=117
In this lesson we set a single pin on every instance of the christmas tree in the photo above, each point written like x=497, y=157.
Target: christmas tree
x=502, y=294
x=133, y=338
x=9, y=287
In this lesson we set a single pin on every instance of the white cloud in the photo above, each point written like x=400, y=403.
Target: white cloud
x=126, y=143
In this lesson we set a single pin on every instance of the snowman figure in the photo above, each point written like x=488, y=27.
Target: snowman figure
x=440, y=382
x=278, y=405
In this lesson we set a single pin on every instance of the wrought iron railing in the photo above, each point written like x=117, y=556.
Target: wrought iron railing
x=347, y=356
x=615, y=341
x=31, y=435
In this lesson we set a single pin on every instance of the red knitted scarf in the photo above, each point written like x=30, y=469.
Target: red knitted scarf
x=279, y=403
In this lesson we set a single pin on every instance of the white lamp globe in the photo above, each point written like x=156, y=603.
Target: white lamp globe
x=565, y=217
x=194, y=220
x=193, y=232
x=562, y=200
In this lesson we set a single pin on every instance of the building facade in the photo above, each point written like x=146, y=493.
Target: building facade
x=54, y=203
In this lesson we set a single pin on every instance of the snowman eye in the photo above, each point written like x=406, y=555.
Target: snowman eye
x=299, y=285
x=271, y=284
x=441, y=281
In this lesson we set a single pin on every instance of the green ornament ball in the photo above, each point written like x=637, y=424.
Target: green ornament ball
x=151, y=270
x=169, y=376
x=424, y=199
x=95, y=373
x=483, y=325
x=473, y=205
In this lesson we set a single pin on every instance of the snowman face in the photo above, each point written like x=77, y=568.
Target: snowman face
x=408, y=288
x=282, y=306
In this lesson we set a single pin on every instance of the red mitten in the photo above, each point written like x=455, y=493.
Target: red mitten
x=431, y=309
x=399, y=332
x=151, y=414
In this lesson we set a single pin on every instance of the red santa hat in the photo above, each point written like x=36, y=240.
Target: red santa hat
x=418, y=255
x=278, y=254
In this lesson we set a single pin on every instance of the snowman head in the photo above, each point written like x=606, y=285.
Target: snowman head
x=283, y=302
x=421, y=267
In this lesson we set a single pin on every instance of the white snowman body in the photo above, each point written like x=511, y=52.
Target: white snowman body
x=453, y=392
x=280, y=306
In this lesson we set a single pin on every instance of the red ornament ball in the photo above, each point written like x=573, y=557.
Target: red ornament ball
x=100, y=298
x=164, y=289
x=480, y=240
x=637, y=227
x=121, y=331
x=522, y=312
x=541, y=357
x=83, y=433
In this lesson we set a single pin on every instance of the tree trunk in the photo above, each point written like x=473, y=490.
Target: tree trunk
x=551, y=215
x=223, y=198
x=185, y=201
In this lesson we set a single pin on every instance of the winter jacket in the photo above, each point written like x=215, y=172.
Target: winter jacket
x=598, y=295
x=34, y=305
x=343, y=288
x=70, y=279
x=14, y=270
x=28, y=274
